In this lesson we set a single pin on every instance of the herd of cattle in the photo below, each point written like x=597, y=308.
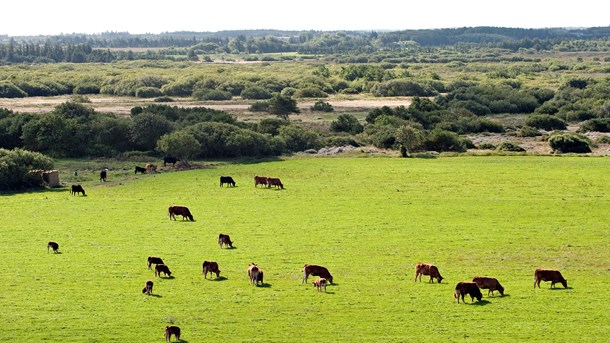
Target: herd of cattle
x=255, y=273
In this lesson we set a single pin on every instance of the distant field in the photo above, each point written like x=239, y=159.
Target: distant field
x=368, y=220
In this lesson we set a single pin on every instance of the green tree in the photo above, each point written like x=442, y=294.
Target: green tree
x=282, y=106
x=147, y=128
x=180, y=144
x=411, y=138
x=347, y=123
x=15, y=164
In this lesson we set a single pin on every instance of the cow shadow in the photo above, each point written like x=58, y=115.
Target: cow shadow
x=559, y=289
x=481, y=303
x=57, y=253
x=167, y=277
x=220, y=278
x=156, y=295
x=264, y=285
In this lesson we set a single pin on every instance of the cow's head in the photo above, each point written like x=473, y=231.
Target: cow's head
x=564, y=283
x=500, y=289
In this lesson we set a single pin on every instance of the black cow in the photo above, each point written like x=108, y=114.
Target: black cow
x=169, y=159
x=148, y=287
x=161, y=268
x=315, y=270
x=180, y=211
x=210, y=267
x=470, y=288
x=224, y=240
x=140, y=170
x=77, y=189
x=103, y=174
x=154, y=260
x=228, y=180
x=172, y=330
x=53, y=246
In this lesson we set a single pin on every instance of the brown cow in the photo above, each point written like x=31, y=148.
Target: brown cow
x=210, y=267
x=319, y=283
x=314, y=270
x=180, y=211
x=224, y=239
x=253, y=271
x=489, y=283
x=151, y=168
x=54, y=246
x=77, y=189
x=161, y=268
x=275, y=182
x=549, y=275
x=148, y=287
x=172, y=330
x=427, y=269
x=260, y=180
x=470, y=288
x=259, y=277
x=154, y=260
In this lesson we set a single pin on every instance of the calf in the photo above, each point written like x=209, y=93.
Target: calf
x=180, y=211
x=427, y=269
x=319, y=283
x=161, y=268
x=154, y=260
x=148, y=288
x=228, y=180
x=151, y=168
x=140, y=170
x=549, y=275
x=224, y=240
x=172, y=330
x=314, y=270
x=210, y=267
x=77, y=189
x=103, y=174
x=253, y=273
x=489, y=283
x=275, y=182
x=53, y=246
x=169, y=159
x=260, y=180
x=470, y=288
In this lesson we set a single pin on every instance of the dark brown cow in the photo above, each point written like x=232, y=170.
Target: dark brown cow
x=259, y=277
x=275, y=182
x=427, y=269
x=180, y=211
x=154, y=260
x=320, y=283
x=103, y=174
x=169, y=159
x=161, y=268
x=140, y=170
x=54, y=246
x=253, y=271
x=489, y=283
x=470, y=288
x=228, y=180
x=224, y=240
x=260, y=180
x=210, y=267
x=77, y=189
x=148, y=287
x=549, y=275
x=172, y=330
x=314, y=270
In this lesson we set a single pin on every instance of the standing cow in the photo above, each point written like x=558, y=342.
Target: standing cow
x=320, y=283
x=549, y=275
x=253, y=272
x=427, y=269
x=180, y=211
x=169, y=159
x=227, y=180
x=210, y=267
x=154, y=260
x=172, y=330
x=315, y=270
x=54, y=246
x=489, y=283
x=470, y=288
x=224, y=240
x=140, y=170
x=77, y=189
x=275, y=182
x=148, y=287
x=103, y=174
x=260, y=180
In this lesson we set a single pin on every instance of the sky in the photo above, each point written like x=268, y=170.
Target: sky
x=45, y=17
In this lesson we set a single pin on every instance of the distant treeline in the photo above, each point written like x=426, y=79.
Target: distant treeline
x=79, y=48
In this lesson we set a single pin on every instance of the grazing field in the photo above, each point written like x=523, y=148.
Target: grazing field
x=368, y=220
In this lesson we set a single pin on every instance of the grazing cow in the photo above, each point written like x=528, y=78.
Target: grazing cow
x=275, y=182
x=53, y=246
x=161, y=268
x=140, y=170
x=427, y=269
x=549, y=275
x=260, y=180
x=148, y=287
x=228, y=180
x=180, y=211
x=169, y=159
x=154, y=260
x=470, y=288
x=172, y=330
x=151, y=168
x=319, y=283
x=77, y=189
x=224, y=239
x=259, y=277
x=489, y=283
x=103, y=174
x=210, y=267
x=253, y=271
x=314, y=270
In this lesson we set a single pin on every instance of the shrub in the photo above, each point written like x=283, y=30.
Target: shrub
x=211, y=94
x=528, y=131
x=602, y=140
x=148, y=92
x=299, y=139
x=310, y=92
x=546, y=122
x=271, y=126
x=509, y=146
x=441, y=140
x=256, y=93
x=86, y=89
x=401, y=87
x=598, y=125
x=9, y=90
x=341, y=141
x=15, y=164
x=569, y=142
x=163, y=99
x=347, y=123
x=322, y=106
x=486, y=146
x=259, y=106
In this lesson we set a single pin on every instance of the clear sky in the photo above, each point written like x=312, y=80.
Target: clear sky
x=50, y=17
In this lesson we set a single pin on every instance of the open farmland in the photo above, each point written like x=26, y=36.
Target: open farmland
x=368, y=220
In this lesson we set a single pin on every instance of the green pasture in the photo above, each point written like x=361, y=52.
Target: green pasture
x=368, y=220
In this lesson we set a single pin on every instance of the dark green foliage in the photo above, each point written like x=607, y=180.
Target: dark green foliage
x=598, y=124
x=483, y=99
x=402, y=87
x=528, y=131
x=283, y=106
x=163, y=99
x=310, y=92
x=226, y=140
x=11, y=128
x=509, y=146
x=87, y=88
x=15, y=164
x=380, y=136
x=183, y=87
x=148, y=92
x=441, y=140
x=603, y=140
x=185, y=116
x=569, y=142
x=322, y=106
x=341, y=141
x=271, y=126
x=486, y=146
x=146, y=128
x=299, y=139
x=211, y=94
x=255, y=93
x=546, y=122
x=71, y=109
x=347, y=123
x=9, y=90
x=259, y=106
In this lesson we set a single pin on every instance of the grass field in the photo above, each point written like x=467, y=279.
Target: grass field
x=368, y=220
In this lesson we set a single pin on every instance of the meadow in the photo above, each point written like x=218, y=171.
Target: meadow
x=368, y=220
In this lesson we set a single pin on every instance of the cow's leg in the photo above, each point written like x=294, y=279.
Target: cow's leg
x=304, y=277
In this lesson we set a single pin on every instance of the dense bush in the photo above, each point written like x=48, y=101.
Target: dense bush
x=528, y=131
x=147, y=128
x=486, y=146
x=15, y=164
x=211, y=94
x=255, y=93
x=9, y=90
x=441, y=140
x=509, y=146
x=322, y=106
x=347, y=123
x=598, y=125
x=402, y=87
x=148, y=92
x=546, y=122
x=271, y=126
x=310, y=92
x=226, y=140
x=299, y=139
x=569, y=142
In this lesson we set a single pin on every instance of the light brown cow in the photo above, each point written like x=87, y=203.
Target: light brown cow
x=314, y=270
x=172, y=330
x=210, y=267
x=253, y=271
x=260, y=180
x=427, y=269
x=319, y=283
x=151, y=168
x=470, y=288
x=148, y=287
x=549, y=275
x=489, y=283
x=161, y=268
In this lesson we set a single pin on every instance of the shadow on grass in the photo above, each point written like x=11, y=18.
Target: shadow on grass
x=481, y=303
x=167, y=277
x=220, y=278
x=156, y=295
x=559, y=289
x=264, y=285
x=57, y=253
x=36, y=191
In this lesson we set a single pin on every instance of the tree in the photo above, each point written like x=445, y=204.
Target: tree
x=147, y=128
x=347, y=123
x=282, y=106
x=179, y=144
x=15, y=165
x=411, y=138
